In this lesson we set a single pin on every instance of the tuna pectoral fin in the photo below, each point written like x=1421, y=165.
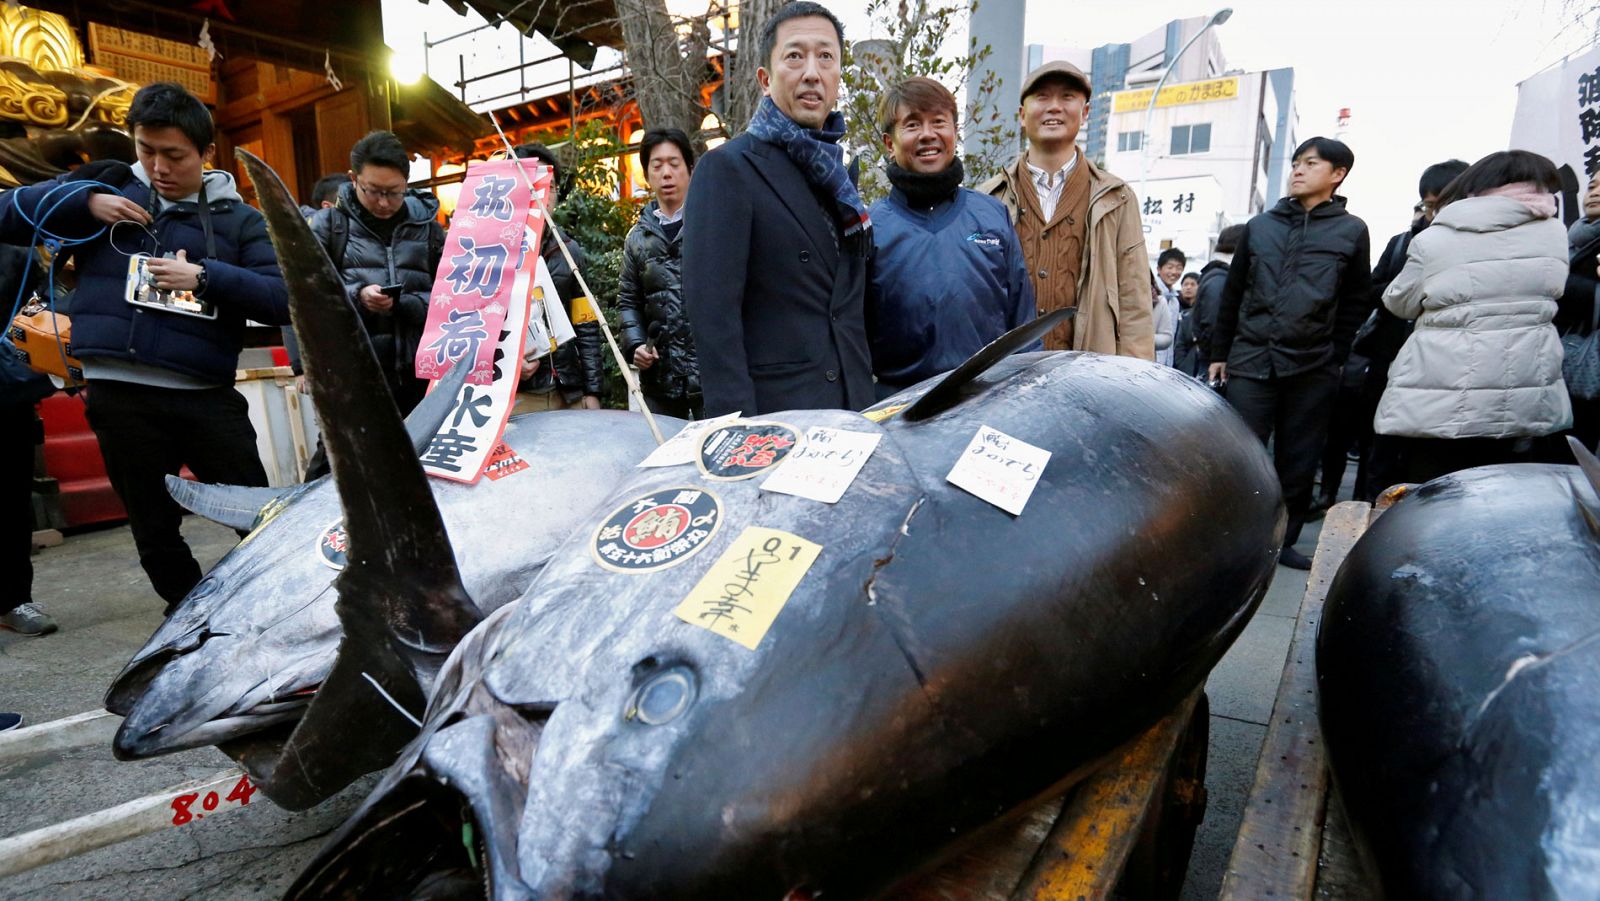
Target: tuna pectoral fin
x=350, y=729
x=1591, y=469
x=428, y=416
x=234, y=506
x=947, y=393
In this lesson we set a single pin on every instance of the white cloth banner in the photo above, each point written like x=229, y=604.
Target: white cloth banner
x=1558, y=116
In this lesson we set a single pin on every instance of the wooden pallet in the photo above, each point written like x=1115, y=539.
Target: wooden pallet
x=1293, y=843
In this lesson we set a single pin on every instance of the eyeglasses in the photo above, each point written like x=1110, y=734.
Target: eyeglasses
x=1422, y=207
x=376, y=194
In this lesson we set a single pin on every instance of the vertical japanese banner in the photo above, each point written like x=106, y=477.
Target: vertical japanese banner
x=470, y=436
x=471, y=433
x=475, y=285
x=1558, y=116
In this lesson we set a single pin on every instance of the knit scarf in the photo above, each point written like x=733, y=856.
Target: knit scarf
x=1579, y=235
x=924, y=189
x=820, y=158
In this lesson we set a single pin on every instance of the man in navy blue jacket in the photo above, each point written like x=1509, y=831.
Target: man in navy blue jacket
x=776, y=239
x=160, y=383
x=949, y=275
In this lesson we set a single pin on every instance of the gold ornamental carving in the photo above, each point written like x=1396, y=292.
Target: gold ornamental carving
x=43, y=81
x=44, y=40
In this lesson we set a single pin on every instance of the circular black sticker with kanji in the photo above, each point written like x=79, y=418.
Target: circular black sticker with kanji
x=333, y=546
x=661, y=529
x=746, y=448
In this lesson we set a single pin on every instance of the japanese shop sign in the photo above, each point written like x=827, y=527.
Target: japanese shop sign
x=657, y=530
x=493, y=238
x=1177, y=94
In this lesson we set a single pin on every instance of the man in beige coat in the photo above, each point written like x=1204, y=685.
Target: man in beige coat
x=1078, y=224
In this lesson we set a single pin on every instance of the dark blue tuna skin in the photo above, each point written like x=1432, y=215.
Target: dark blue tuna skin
x=1459, y=682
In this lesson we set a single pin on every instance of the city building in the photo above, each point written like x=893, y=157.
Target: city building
x=1219, y=142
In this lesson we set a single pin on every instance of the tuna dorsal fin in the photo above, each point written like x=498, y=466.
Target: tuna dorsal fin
x=234, y=506
x=401, y=600
x=1591, y=469
x=428, y=416
x=947, y=393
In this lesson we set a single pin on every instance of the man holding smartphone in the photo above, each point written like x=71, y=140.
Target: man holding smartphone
x=386, y=242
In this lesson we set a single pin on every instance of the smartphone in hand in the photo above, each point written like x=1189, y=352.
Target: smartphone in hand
x=392, y=290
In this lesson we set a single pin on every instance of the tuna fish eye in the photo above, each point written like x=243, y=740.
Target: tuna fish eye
x=662, y=697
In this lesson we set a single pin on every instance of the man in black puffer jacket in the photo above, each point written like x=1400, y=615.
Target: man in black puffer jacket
x=578, y=374
x=1297, y=290
x=160, y=390
x=655, y=328
x=379, y=235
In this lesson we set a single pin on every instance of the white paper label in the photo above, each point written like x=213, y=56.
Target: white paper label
x=1000, y=469
x=684, y=447
x=825, y=465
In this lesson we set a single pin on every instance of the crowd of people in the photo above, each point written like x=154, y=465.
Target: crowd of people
x=756, y=279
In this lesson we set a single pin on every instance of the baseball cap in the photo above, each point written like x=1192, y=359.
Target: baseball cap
x=1059, y=68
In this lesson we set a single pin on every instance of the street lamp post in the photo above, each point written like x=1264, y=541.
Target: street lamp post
x=1220, y=17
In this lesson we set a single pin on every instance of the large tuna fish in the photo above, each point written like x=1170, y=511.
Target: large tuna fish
x=253, y=647
x=242, y=657
x=939, y=663
x=1458, y=667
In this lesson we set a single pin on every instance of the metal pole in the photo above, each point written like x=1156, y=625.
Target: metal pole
x=1220, y=17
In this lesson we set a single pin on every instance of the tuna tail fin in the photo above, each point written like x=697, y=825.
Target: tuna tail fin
x=401, y=600
x=1591, y=469
x=947, y=393
x=234, y=506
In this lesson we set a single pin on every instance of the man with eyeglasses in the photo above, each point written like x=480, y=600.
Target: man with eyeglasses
x=386, y=242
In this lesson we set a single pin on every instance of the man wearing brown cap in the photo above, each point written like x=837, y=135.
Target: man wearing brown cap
x=1078, y=224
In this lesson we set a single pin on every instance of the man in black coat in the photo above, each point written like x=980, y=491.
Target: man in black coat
x=1297, y=290
x=655, y=330
x=776, y=240
x=1208, y=297
x=382, y=236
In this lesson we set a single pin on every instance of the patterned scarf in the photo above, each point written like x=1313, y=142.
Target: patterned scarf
x=820, y=158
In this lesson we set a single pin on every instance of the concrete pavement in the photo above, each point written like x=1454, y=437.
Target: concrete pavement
x=95, y=589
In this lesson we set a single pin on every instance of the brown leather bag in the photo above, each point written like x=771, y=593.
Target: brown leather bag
x=44, y=341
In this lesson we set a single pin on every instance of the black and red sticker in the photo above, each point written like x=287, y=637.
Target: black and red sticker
x=746, y=448
x=333, y=546
x=661, y=529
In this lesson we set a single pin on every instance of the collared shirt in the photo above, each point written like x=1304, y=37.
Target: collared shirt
x=666, y=219
x=1049, y=185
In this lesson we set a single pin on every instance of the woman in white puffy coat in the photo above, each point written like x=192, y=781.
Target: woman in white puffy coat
x=1480, y=378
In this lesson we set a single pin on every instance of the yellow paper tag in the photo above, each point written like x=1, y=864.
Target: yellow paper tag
x=582, y=311
x=742, y=593
x=885, y=413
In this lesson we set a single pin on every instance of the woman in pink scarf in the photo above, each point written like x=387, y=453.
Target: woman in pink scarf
x=1479, y=380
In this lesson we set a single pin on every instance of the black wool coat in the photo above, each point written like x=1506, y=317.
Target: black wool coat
x=776, y=308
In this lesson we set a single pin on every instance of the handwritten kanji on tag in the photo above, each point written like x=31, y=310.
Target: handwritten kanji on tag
x=1000, y=469
x=742, y=593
